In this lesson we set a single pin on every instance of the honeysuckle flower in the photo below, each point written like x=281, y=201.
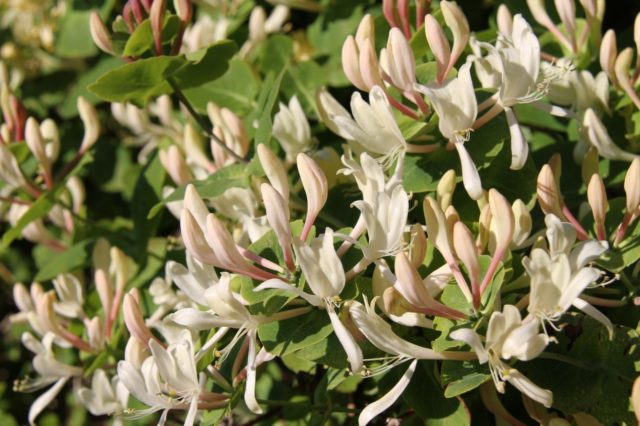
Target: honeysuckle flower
x=385, y=220
x=100, y=34
x=597, y=136
x=168, y=380
x=608, y=55
x=522, y=223
x=50, y=370
x=372, y=127
x=597, y=198
x=456, y=106
x=439, y=46
x=380, y=334
x=329, y=108
x=274, y=170
x=9, y=170
x=104, y=397
x=558, y=276
x=508, y=336
x=291, y=129
x=325, y=276
x=278, y=218
x=359, y=59
x=70, y=296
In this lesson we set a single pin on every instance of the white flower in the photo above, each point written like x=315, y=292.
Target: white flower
x=597, y=135
x=50, y=370
x=558, y=276
x=104, y=396
x=509, y=337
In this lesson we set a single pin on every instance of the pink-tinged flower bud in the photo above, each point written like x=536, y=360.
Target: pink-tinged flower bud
x=278, y=217
x=466, y=251
x=193, y=149
x=590, y=164
x=522, y=223
x=351, y=63
x=366, y=32
x=418, y=245
x=48, y=319
x=388, y=10
x=34, y=141
x=315, y=187
x=194, y=240
x=400, y=64
x=502, y=220
x=504, y=20
x=608, y=55
x=636, y=32
x=21, y=298
x=409, y=284
x=446, y=186
x=549, y=193
x=105, y=290
x=100, y=34
x=437, y=229
x=135, y=352
x=184, y=10
x=369, y=67
x=484, y=228
x=632, y=186
x=597, y=197
x=622, y=69
x=133, y=318
x=156, y=17
x=274, y=170
x=567, y=11
x=174, y=164
x=95, y=332
x=459, y=26
x=91, y=123
x=539, y=12
x=590, y=8
x=438, y=44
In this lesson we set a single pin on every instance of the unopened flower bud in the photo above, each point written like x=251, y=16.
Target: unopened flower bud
x=548, y=192
x=100, y=34
x=632, y=186
x=597, y=197
x=446, y=186
x=608, y=55
x=156, y=17
x=451, y=215
x=567, y=11
x=459, y=26
x=522, y=223
x=35, y=142
x=466, y=251
x=539, y=12
x=174, y=164
x=184, y=10
x=399, y=63
x=51, y=136
x=502, y=221
x=418, y=245
x=438, y=44
x=91, y=123
x=274, y=169
x=484, y=228
x=504, y=20
x=95, y=332
x=636, y=32
x=590, y=8
x=133, y=318
x=257, y=19
x=105, y=289
x=315, y=187
x=278, y=217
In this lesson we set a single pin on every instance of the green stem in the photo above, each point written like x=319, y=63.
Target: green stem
x=201, y=121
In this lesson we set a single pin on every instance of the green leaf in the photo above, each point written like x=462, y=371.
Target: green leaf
x=72, y=258
x=74, y=37
x=236, y=89
x=287, y=336
x=462, y=377
x=232, y=176
x=147, y=193
x=303, y=80
x=140, y=41
x=205, y=65
x=138, y=81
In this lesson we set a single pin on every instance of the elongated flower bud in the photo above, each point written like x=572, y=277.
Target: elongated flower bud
x=274, y=170
x=608, y=55
x=133, y=318
x=632, y=186
x=466, y=252
x=400, y=64
x=316, y=188
x=34, y=141
x=184, y=10
x=590, y=164
x=105, y=290
x=549, y=193
x=597, y=197
x=100, y=34
x=539, y=12
x=418, y=245
x=459, y=26
x=156, y=17
x=278, y=217
x=438, y=44
x=502, y=220
x=446, y=186
x=91, y=123
x=173, y=162
x=504, y=20
x=351, y=63
x=522, y=223
x=567, y=11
